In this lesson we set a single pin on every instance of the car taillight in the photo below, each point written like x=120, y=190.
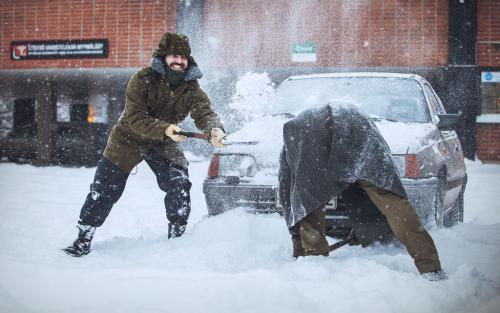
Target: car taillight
x=412, y=170
x=213, y=168
x=241, y=165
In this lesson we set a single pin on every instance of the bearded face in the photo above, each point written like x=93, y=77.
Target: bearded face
x=176, y=62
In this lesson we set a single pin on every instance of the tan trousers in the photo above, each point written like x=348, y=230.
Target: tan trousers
x=401, y=217
x=311, y=231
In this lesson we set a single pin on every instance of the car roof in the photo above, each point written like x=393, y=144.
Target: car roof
x=358, y=74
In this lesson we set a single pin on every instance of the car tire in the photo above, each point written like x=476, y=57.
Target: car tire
x=438, y=204
x=456, y=214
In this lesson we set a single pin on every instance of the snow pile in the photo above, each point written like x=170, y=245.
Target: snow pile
x=254, y=95
x=267, y=131
x=235, y=262
x=481, y=195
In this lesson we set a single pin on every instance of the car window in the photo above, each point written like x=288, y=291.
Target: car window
x=389, y=98
x=435, y=103
x=439, y=103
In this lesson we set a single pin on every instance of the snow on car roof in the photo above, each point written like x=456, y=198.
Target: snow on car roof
x=357, y=74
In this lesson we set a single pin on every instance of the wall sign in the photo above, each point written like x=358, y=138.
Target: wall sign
x=59, y=49
x=304, y=52
x=490, y=77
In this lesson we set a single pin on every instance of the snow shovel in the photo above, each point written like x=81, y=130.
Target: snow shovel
x=350, y=240
x=207, y=138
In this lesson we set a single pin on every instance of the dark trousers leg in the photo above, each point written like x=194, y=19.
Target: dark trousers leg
x=174, y=181
x=107, y=188
x=406, y=226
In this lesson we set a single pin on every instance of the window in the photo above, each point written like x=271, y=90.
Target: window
x=93, y=111
x=6, y=117
x=490, y=98
x=78, y=112
x=24, y=118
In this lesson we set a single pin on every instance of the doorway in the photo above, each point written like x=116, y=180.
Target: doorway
x=24, y=124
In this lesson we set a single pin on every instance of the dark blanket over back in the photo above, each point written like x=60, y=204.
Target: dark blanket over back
x=326, y=149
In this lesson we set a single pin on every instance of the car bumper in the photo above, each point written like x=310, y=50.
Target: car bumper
x=421, y=193
x=221, y=197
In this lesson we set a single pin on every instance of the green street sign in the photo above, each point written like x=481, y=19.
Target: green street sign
x=304, y=52
x=307, y=47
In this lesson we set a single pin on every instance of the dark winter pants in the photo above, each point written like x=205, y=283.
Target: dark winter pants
x=109, y=183
x=308, y=235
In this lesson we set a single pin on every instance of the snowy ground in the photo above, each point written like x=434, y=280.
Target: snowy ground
x=235, y=262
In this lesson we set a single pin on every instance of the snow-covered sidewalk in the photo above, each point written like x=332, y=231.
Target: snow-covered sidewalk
x=235, y=262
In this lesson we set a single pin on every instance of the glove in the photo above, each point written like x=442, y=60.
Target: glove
x=171, y=131
x=216, y=137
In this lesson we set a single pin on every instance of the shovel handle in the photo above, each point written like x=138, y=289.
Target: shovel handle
x=194, y=135
x=207, y=138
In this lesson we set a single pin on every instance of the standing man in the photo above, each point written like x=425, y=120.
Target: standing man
x=158, y=98
x=328, y=149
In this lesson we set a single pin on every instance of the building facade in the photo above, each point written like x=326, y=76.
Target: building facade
x=69, y=88
x=64, y=66
x=488, y=60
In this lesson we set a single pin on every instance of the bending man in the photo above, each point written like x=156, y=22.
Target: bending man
x=328, y=149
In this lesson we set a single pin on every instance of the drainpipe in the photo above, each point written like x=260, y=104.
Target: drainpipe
x=463, y=76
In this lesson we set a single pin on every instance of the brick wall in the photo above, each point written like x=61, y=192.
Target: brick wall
x=488, y=145
x=132, y=27
x=347, y=33
x=488, y=33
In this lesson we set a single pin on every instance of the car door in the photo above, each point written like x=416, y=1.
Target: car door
x=450, y=149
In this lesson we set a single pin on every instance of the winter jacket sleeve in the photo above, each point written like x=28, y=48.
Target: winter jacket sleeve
x=284, y=177
x=136, y=112
x=201, y=112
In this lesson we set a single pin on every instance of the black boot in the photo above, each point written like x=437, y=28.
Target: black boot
x=81, y=246
x=176, y=229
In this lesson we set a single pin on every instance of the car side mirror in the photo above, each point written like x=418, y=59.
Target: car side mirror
x=448, y=121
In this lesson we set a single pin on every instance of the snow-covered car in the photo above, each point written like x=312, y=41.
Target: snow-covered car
x=405, y=109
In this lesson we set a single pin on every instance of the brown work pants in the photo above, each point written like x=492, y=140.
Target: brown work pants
x=310, y=235
x=401, y=217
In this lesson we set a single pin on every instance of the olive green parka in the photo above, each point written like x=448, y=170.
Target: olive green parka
x=150, y=107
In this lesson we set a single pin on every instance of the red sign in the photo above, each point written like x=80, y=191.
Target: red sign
x=19, y=51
